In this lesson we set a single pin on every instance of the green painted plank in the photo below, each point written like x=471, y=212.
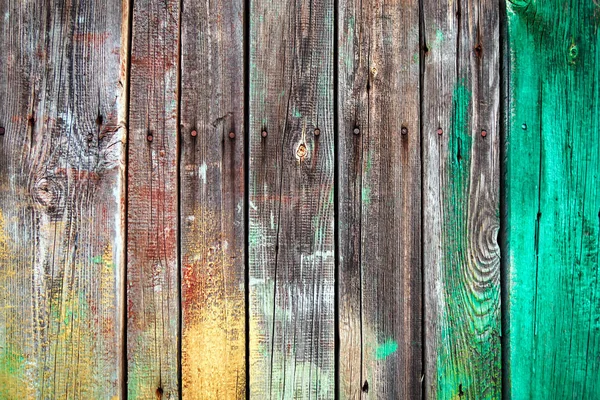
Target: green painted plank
x=461, y=170
x=379, y=169
x=552, y=198
x=291, y=209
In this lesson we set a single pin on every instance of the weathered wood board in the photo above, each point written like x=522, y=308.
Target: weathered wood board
x=379, y=169
x=553, y=200
x=212, y=201
x=152, y=214
x=61, y=198
x=291, y=200
x=461, y=171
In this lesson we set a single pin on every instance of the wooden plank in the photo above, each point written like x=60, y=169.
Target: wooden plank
x=553, y=199
x=379, y=173
x=61, y=198
x=152, y=250
x=212, y=201
x=291, y=221
x=461, y=199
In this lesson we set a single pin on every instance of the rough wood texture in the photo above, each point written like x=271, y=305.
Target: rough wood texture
x=553, y=203
x=152, y=267
x=61, y=192
x=212, y=201
x=461, y=199
x=291, y=225
x=380, y=200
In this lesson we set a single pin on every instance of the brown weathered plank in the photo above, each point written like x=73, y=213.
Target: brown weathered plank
x=212, y=201
x=291, y=225
x=61, y=192
x=379, y=200
x=461, y=199
x=152, y=267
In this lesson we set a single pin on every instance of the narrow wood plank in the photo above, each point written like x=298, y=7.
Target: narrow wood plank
x=461, y=199
x=553, y=199
x=380, y=200
x=291, y=221
x=212, y=201
x=61, y=198
x=152, y=266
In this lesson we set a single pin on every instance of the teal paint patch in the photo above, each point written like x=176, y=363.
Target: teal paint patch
x=366, y=195
x=439, y=36
x=297, y=113
x=386, y=349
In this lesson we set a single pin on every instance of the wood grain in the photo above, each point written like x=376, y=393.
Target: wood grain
x=379, y=171
x=553, y=199
x=212, y=201
x=291, y=221
x=152, y=218
x=61, y=198
x=461, y=199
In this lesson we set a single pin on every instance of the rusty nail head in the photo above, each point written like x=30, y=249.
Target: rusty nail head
x=356, y=130
x=440, y=131
x=232, y=135
x=149, y=137
x=317, y=131
x=2, y=130
x=484, y=133
x=194, y=133
x=263, y=133
x=404, y=130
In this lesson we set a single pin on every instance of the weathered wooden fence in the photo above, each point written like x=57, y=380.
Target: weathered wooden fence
x=308, y=199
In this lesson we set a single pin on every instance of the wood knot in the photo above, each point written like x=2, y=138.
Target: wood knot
x=47, y=192
x=365, y=387
x=478, y=50
x=301, y=152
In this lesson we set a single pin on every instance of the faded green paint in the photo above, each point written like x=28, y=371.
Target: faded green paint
x=552, y=200
x=386, y=349
x=468, y=357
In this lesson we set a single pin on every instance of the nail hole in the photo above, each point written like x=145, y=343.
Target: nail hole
x=99, y=119
x=365, y=387
x=2, y=131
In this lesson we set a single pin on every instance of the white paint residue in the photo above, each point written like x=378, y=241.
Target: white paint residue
x=202, y=172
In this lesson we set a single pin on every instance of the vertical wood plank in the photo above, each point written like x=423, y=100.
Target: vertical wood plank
x=461, y=199
x=291, y=221
x=61, y=198
x=379, y=200
x=212, y=201
x=152, y=265
x=553, y=199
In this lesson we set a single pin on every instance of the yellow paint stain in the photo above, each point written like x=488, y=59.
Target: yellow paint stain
x=14, y=382
x=213, y=343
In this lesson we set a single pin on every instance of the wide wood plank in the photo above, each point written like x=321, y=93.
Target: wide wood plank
x=62, y=130
x=212, y=201
x=291, y=221
x=152, y=251
x=553, y=200
x=379, y=171
x=461, y=199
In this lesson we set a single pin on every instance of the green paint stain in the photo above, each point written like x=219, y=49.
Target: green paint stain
x=97, y=260
x=439, y=36
x=386, y=349
x=297, y=113
x=366, y=195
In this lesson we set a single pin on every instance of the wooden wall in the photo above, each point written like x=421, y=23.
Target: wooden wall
x=299, y=199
